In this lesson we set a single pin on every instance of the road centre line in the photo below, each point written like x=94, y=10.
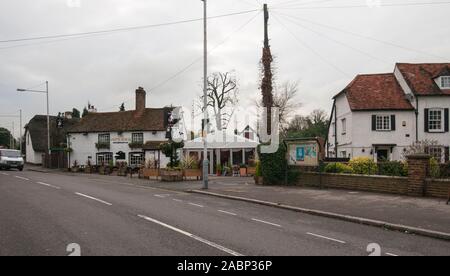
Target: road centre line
x=228, y=213
x=5, y=174
x=212, y=244
x=23, y=178
x=327, y=238
x=48, y=185
x=93, y=198
x=266, y=222
x=197, y=205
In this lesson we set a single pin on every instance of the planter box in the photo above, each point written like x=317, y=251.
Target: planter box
x=171, y=176
x=243, y=171
x=75, y=169
x=197, y=173
x=122, y=172
x=147, y=173
x=88, y=170
x=251, y=171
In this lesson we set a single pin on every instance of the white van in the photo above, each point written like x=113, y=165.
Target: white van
x=11, y=159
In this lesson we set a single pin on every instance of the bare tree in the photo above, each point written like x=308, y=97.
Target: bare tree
x=223, y=93
x=285, y=99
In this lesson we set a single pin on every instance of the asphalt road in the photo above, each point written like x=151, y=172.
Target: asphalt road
x=42, y=214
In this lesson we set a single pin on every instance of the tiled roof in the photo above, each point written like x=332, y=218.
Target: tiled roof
x=420, y=77
x=376, y=92
x=149, y=120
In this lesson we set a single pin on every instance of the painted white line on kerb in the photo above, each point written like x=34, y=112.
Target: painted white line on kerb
x=266, y=222
x=93, y=198
x=228, y=213
x=392, y=255
x=197, y=205
x=212, y=244
x=48, y=185
x=327, y=238
x=23, y=178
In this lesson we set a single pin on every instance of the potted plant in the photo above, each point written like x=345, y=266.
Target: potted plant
x=173, y=172
x=110, y=168
x=102, y=169
x=219, y=170
x=88, y=168
x=243, y=170
x=75, y=167
x=258, y=175
x=191, y=168
x=122, y=169
x=251, y=168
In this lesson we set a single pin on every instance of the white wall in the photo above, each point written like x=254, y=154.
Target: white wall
x=83, y=146
x=32, y=157
x=432, y=102
x=342, y=111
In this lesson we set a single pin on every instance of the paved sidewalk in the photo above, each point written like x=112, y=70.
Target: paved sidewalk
x=425, y=213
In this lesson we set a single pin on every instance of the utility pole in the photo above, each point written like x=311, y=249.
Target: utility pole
x=266, y=84
x=205, y=95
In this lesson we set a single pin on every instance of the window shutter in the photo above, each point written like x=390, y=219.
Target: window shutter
x=393, y=122
x=426, y=119
x=446, y=121
x=447, y=154
x=374, y=122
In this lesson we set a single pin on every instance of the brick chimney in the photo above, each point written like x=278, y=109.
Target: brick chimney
x=140, y=100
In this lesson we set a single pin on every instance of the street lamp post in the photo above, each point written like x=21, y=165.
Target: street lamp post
x=205, y=97
x=48, y=111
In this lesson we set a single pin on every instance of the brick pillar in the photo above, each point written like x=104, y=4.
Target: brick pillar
x=418, y=166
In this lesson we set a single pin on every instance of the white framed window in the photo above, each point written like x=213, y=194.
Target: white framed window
x=445, y=82
x=104, y=158
x=435, y=120
x=104, y=138
x=436, y=152
x=137, y=159
x=137, y=138
x=383, y=123
x=344, y=126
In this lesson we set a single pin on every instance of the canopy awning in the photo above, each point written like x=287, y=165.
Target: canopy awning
x=221, y=140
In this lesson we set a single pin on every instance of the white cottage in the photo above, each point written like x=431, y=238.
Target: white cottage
x=380, y=115
x=131, y=136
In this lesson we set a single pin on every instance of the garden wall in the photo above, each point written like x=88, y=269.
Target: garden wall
x=437, y=187
x=382, y=184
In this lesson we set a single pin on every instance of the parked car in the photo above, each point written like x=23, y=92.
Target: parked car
x=11, y=159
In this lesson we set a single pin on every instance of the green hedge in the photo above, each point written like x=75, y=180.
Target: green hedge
x=338, y=168
x=273, y=168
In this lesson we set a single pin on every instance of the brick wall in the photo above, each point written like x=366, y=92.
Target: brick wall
x=382, y=184
x=437, y=187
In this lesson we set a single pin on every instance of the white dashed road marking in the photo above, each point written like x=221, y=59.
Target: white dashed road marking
x=197, y=205
x=266, y=222
x=5, y=174
x=48, y=185
x=228, y=213
x=93, y=198
x=392, y=255
x=23, y=178
x=177, y=200
x=212, y=244
x=327, y=238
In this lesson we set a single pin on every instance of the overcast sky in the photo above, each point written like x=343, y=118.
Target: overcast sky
x=107, y=69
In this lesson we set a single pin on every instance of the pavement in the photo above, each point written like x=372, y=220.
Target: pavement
x=44, y=213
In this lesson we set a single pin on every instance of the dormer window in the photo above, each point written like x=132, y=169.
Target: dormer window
x=445, y=82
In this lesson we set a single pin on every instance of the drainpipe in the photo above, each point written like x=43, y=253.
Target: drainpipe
x=417, y=119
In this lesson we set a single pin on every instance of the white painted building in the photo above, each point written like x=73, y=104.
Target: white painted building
x=381, y=115
x=132, y=136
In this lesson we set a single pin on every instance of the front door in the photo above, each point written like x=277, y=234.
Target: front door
x=382, y=155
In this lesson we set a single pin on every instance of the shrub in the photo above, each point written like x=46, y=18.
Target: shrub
x=338, y=168
x=273, y=166
x=190, y=163
x=363, y=165
x=258, y=169
x=445, y=170
x=435, y=171
x=393, y=168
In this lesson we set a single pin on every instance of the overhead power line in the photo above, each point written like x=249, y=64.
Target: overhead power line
x=364, y=36
x=124, y=28
x=367, y=6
